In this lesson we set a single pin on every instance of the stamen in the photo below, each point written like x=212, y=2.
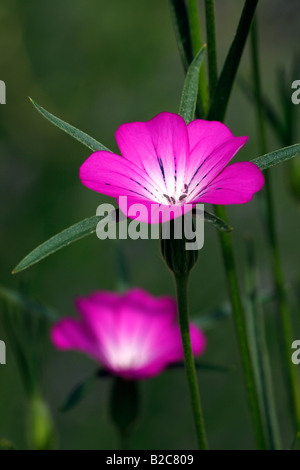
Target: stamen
x=183, y=196
x=167, y=197
x=173, y=200
x=186, y=188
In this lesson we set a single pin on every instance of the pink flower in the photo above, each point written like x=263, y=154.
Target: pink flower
x=167, y=163
x=133, y=335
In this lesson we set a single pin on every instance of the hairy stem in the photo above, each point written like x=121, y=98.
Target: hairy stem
x=181, y=291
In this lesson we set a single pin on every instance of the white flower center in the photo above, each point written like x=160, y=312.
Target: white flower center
x=127, y=355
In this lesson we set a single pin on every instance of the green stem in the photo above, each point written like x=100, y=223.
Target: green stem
x=195, y=32
x=211, y=45
x=270, y=223
x=181, y=291
x=243, y=340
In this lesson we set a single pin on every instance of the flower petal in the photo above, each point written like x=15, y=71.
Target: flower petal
x=198, y=340
x=168, y=349
x=133, y=335
x=99, y=317
x=163, y=307
x=236, y=184
x=207, y=135
x=71, y=334
x=159, y=146
x=204, y=138
x=208, y=168
x=110, y=174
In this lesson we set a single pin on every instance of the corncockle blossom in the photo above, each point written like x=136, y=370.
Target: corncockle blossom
x=133, y=335
x=167, y=163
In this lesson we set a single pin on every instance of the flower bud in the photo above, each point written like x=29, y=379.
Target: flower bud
x=173, y=249
x=40, y=426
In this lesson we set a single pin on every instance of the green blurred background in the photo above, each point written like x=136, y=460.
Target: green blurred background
x=97, y=64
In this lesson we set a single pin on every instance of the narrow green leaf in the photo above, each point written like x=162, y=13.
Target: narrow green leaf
x=225, y=83
x=65, y=238
x=190, y=88
x=78, y=393
x=213, y=220
x=276, y=157
x=21, y=301
x=217, y=222
x=182, y=31
x=77, y=134
x=209, y=320
x=213, y=318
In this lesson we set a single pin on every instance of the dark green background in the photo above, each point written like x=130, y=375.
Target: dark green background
x=98, y=64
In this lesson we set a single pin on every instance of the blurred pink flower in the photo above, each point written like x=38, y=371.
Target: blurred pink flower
x=167, y=163
x=133, y=335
